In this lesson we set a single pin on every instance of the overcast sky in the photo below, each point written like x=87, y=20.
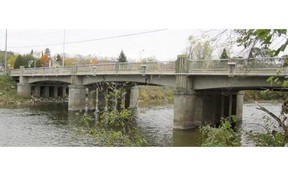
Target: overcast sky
x=163, y=44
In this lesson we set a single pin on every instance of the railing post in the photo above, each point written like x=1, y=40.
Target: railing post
x=117, y=67
x=231, y=68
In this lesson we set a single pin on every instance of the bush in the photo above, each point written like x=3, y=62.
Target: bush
x=224, y=135
x=113, y=129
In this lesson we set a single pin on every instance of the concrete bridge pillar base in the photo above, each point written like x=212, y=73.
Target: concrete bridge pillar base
x=206, y=107
x=77, y=95
x=239, y=107
x=37, y=91
x=134, y=95
x=187, y=111
x=24, y=89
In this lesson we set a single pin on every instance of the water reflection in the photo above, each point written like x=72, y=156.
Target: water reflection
x=186, y=138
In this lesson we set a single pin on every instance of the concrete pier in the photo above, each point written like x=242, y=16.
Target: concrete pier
x=77, y=95
x=133, y=99
x=24, y=89
x=193, y=108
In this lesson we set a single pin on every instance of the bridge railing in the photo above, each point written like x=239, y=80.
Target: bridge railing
x=127, y=68
x=208, y=65
x=241, y=65
x=104, y=68
x=262, y=65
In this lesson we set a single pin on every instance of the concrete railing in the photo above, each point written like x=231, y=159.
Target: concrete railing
x=105, y=68
x=241, y=65
x=262, y=65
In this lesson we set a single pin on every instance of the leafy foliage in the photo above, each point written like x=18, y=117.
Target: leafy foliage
x=199, y=49
x=24, y=61
x=222, y=136
x=2, y=55
x=11, y=61
x=44, y=60
x=249, y=38
x=8, y=92
x=115, y=127
x=269, y=139
x=118, y=121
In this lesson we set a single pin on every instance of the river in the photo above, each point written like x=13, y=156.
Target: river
x=50, y=125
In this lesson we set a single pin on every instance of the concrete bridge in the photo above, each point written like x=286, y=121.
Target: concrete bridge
x=205, y=91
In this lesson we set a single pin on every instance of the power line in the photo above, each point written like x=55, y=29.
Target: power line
x=91, y=40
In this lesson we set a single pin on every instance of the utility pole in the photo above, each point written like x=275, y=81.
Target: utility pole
x=5, y=56
x=63, y=58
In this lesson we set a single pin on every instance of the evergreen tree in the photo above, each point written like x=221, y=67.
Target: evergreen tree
x=122, y=57
x=58, y=59
x=47, y=51
x=19, y=62
x=224, y=54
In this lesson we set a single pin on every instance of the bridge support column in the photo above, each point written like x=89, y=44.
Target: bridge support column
x=187, y=113
x=55, y=95
x=37, y=91
x=64, y=92
x=77, y=95
x=92, y=97
x=46, y=91
x=24, y=89
x=133, y=98
x=239, y=105
x=187, y=110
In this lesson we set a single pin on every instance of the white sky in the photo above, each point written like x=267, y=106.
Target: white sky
x=164, y=45
x=87, y=19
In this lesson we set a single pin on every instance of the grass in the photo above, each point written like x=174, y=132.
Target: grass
x=8, y=92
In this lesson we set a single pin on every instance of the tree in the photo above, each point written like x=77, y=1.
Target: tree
x=45, y=60
x=224, y=54
x=47, y=51
x=263, y=38
x=11, y=61
x=24, y=61
x=19, y=62
x=122, y=57
x=58, y=59
x=199, y=49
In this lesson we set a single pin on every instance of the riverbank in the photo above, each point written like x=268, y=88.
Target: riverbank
x=8, y=92
x=155, y=96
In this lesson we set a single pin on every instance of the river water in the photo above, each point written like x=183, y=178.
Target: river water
x=51, y=125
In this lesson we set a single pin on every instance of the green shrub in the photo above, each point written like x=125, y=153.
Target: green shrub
x=224, y=135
